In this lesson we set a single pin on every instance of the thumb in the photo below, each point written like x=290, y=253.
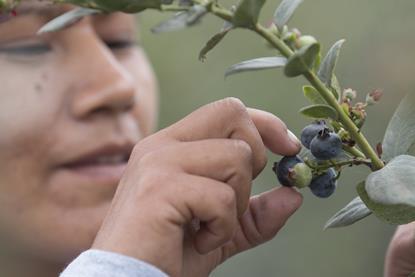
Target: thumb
x=266, y=215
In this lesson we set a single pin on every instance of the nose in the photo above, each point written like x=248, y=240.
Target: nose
x=100, y=82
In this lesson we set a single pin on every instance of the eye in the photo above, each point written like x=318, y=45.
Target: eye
x=121, y=44
x=27, y=50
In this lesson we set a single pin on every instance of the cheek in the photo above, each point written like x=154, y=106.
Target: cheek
x=146, y=109
x=32, y=114
x=26, y=115
x=29, y=108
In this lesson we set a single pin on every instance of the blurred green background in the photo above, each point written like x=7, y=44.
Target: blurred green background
x=379, y=53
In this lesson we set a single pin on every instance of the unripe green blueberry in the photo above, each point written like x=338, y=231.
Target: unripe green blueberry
x=292, y=171
x=301, y=175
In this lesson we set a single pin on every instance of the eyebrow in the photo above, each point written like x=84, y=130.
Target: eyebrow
x=43, y=10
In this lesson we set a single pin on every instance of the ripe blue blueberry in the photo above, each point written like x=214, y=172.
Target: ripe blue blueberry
x=326, y=145
x=310, y=131
x=292, y=171
x=324, y=185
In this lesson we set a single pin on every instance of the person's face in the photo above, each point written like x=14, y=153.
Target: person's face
x=72, y=105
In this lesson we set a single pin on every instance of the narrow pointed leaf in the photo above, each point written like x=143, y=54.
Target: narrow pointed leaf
x=390, y=192
x=66, y=19
x=256, y=64
x=319, y=111
x=126, y=6
x=328, y=65
x=285, y=11
x=335, y=87
x=313, y=95
x=351, y=213
x=181, y=20
x=247, y=13
x=211, y=43
x=400, y=134
x=302, y=60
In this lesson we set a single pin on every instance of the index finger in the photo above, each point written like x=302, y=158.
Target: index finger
x=274, y=133
x=227, y=118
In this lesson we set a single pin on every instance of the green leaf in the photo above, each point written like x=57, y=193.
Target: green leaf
x=328, y=65
x=395, y=183
x=285, y=11
x=302, y=60
x=65, y=20
x=211, y=43
x=256, y=64
x=396, y=214
x=412, y=274
x=390, y=192
x=181, y=20
x=247, y=13
x=400, y=134
x=319, y=111
x=351, y=213
x=313, y=95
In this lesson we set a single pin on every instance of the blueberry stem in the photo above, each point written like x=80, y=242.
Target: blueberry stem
x=353, y=151
x=332, y=163
x=174, y=8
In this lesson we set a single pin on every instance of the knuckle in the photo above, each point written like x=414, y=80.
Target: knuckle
x=158, y=186
x=234, y=106
x=147, y=185
x=150, y=180
x=227, y=198
x=243, y=148
x=244, y=154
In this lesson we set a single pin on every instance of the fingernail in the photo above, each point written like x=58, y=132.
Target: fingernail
x=293, y=138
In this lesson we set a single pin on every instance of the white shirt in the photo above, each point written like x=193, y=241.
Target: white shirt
x=98, y=263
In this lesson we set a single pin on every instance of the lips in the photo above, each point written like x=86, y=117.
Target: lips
x=103, y=165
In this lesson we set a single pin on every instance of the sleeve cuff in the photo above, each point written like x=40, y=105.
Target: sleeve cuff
x=98, y=263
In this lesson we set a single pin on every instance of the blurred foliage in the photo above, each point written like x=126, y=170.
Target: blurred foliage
x=378, y=53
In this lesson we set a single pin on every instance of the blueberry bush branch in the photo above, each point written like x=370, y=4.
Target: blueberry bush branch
x=335, y=139
x=275, y=41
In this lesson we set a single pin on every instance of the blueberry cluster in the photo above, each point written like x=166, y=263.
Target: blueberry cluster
x=324, y=145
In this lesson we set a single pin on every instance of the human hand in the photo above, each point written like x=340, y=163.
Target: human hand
x=200, y=168
x=400, y=257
